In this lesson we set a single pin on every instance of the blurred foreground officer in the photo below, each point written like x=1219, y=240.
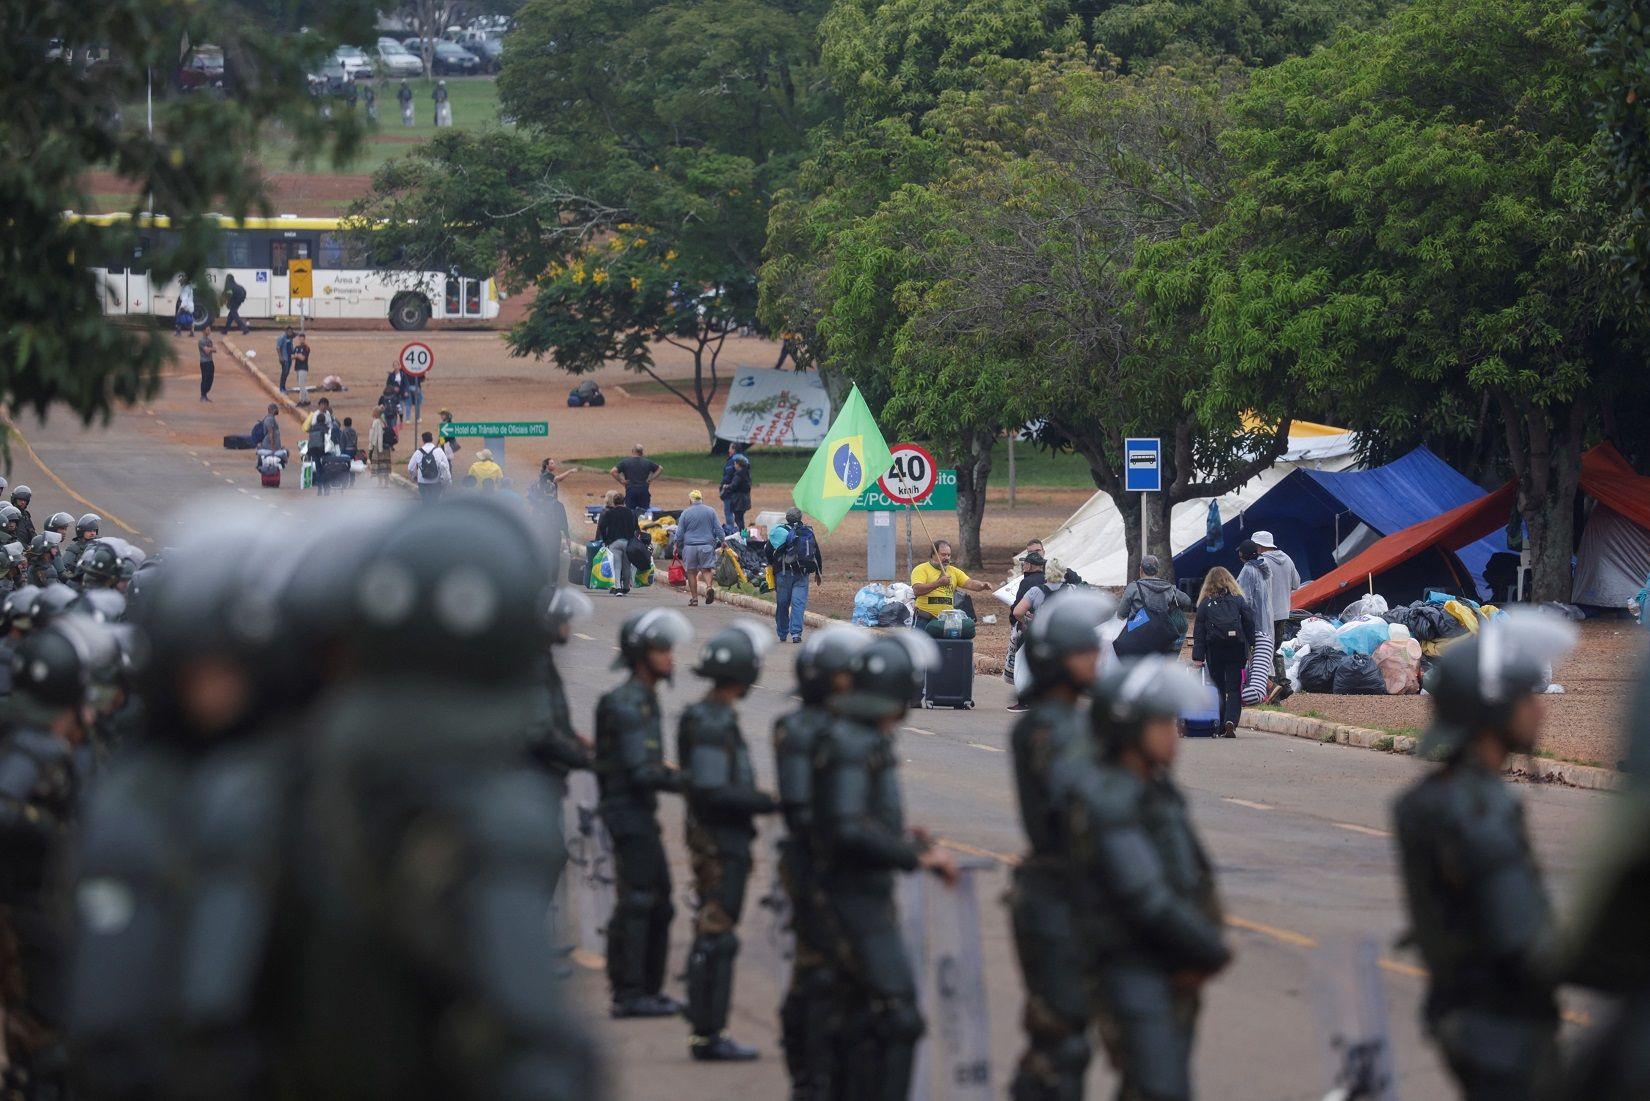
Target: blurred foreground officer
x=1606, y=946
x=1479, y=910
x=804, y=1016
x=861, y=843
x=1145, y=889
x=40, y=786
x=552, y=742
x=631, y=769
x=1061, y=652
x=722, y=806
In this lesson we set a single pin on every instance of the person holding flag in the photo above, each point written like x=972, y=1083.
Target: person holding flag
x=853, y=456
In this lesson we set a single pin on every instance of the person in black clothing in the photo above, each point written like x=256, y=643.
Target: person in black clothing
x=616, y=528
x=235, y=295
x=1221, y=639
x=736, y=489
x=1031, y=576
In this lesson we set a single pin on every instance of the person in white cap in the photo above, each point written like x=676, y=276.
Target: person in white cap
x=1285, y=580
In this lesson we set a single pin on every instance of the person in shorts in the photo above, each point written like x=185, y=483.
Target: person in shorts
x=699, y=533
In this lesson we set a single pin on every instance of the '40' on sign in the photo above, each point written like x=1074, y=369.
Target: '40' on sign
x=911, y=477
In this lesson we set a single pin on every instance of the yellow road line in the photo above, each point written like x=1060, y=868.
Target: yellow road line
x=974, y=850
x=1355, y=828
x=593, y=961
x=17, y=434
x=1247, y=803
x=1287, y=936
x=1399, y=967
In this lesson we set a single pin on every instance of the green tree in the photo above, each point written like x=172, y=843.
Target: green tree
x=1620, y=48
x=72, y=73
x=651, y=137
x=1418, y=236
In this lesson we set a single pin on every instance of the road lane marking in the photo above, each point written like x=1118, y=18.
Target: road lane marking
x=987, y=748
x=1399, y=967
x=1247, y=803
x=1287, y=936
x=580, y=634
x=920, y=730
x=974, y=850
x=593, y=961
x=17, y=434
x=1368, y=831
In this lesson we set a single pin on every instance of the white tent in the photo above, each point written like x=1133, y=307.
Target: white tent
x=1612, y=561
x=1093, y=543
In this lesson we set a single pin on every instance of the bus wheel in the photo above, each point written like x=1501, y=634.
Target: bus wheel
x=409, y=311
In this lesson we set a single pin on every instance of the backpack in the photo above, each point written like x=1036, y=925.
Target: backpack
x=429, y=470
x=1222, y=619
x=799, y=548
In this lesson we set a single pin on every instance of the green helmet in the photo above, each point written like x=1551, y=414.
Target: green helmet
x=1133, y=691
x=1476, y=683
x=1067, y=623
x=735, y=653
x=824, y=654
x=887, y=674
x=654, y=629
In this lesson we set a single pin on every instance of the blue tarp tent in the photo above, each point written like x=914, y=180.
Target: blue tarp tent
x=1310, y=512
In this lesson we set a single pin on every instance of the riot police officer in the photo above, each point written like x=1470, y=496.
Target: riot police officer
x=860, y=843
x=41, y=556
x=11, y=523
x=20, y=498
x=99, y=566
x=40, y=784
x=59, y=522
x=1478, y=909
x=631, y=771
x=1144, y=888
x=553, y=743
x=1060, y=655
x=13, y=563
x=85, y=534
x=722, y=805
x=821, y=672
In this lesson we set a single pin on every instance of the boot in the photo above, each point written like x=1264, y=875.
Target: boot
x=721, y=1049
x=644, y=1005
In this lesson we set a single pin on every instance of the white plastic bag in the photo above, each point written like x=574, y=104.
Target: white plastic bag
x=1318, y=634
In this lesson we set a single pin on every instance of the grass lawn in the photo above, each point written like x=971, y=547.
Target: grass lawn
x=475, y=107
x=1032, y=468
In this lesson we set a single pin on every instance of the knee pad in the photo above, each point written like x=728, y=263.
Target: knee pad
x=715, y=947
x=898, y=1019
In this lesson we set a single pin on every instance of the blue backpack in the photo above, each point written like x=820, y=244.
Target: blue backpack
x=799, y=549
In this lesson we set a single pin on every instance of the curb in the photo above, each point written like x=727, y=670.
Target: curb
x=287, y=404
x=1536, y=769
x=757, y=604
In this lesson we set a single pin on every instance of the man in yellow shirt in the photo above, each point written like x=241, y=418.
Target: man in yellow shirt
x=484, y=469
x=936, y=582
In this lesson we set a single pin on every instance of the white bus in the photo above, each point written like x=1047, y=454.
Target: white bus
x=256, y=251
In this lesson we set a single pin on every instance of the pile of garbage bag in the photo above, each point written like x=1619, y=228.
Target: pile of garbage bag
x=884, y=604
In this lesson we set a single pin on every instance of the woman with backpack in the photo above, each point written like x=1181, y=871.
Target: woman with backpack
x=1221, y=638
x=617, y=529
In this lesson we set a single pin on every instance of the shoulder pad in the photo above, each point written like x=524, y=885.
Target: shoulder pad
x=239, y=801
x=127, y=825
x=510, y=815
x=1109, y=794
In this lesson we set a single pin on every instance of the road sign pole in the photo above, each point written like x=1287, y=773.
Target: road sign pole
x=495, y=444
x=910, y=560
x=1143, y=523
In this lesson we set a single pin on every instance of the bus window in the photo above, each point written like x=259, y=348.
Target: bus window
x=472, y=298
x=280, y=251
x=332, y=251
x=140, y=253
x=452, y=296
x=237, y=249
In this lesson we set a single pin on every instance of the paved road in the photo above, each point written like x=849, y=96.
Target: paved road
x=1297, y=829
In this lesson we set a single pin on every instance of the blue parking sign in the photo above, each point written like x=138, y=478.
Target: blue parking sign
x=1143, y=464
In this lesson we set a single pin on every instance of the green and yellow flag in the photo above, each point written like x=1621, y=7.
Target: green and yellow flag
x=853, y=456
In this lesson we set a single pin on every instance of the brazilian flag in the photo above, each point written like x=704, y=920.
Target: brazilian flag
x=852, y=458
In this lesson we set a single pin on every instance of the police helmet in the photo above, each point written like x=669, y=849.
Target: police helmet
x=18, y=608
x=1136, y=690
x=44, y=543
x=103, y=605
x=10, y=515
x=567, y=607
x=15, y=555
x=24, y=494
x=1476, y=683
x=59, y=522
x=654, y=629
x=887, y=674
x=53, y=601
x=1067, y=624
x=475, y=608
x=57, y=665
x=735, y=653
x=100, y=563
x=823, y=655
x=90, y=522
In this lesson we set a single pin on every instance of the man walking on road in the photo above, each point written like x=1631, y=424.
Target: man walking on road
x=208, y=370
x=636, y=473
x=234, y=295
x=1477, y=906
x=631, y=772
x=429, y=470
x=272, y=428
x=795, y=556
x=699, y=533
x=722, y=806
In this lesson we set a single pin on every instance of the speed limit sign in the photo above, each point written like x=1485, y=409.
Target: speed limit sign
x=910, y=480
x=417, y=359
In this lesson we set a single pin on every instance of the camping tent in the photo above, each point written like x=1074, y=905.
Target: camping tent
x=1609, y=557
x=1312, y=513
x=1093, y=541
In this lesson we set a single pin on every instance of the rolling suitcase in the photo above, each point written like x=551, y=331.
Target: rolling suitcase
x=952, y=685
x=271, y=478
x=1203, y=721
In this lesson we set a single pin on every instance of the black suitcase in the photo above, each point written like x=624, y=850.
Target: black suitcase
x=952, y=685
x=239, y=443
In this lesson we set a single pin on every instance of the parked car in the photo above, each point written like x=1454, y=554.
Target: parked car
x=452, y=59
x=395, y=60
x=330, y=77
x=355, y=62
x=203, y=68
x=491, y=51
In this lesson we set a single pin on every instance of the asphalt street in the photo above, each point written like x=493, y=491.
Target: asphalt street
x=1298, y=830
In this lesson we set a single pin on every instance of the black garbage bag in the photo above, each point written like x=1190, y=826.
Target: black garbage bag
x=1317, y=671
x=1358, y=675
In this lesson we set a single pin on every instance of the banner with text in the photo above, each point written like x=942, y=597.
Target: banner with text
x=769, y=408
